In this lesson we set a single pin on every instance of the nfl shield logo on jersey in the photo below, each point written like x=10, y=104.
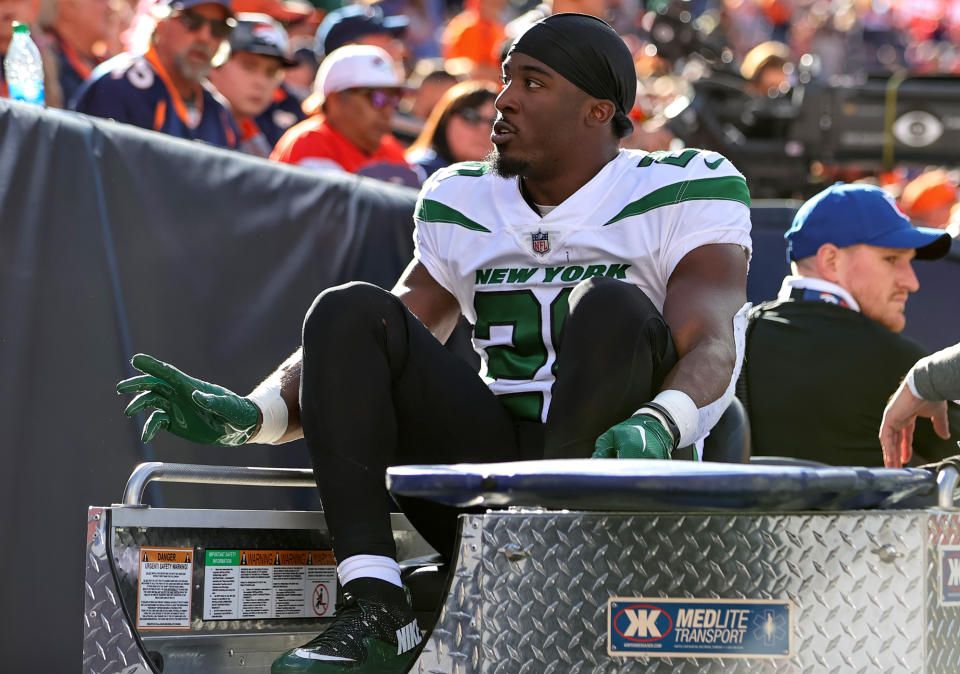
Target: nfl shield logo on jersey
x=541, y=243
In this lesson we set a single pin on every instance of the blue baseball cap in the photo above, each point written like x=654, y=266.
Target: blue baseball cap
x=846, y=215
x=343, y=26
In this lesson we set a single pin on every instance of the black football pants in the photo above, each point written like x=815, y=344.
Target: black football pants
x=377, y=390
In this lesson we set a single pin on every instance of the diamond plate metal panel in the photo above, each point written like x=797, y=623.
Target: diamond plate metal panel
x=943, y=633
x=453, y=647
x=856, y=579
x=109, y=646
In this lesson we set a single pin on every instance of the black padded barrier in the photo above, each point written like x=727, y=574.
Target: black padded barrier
x=115, y=240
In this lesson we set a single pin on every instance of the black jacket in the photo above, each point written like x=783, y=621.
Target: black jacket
x=816, y=378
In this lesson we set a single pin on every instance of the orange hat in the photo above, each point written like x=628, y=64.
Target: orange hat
x=928, y=191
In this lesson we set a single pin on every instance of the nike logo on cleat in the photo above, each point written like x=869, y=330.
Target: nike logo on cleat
x=408, y=637
x=310, y=655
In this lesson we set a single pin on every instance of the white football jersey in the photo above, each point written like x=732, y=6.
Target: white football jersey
x=512, y=270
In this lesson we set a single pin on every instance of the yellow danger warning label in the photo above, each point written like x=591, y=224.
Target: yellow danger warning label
x=164, y=588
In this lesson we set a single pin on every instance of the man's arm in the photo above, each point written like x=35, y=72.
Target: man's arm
x=423, y=296
x=936, y=379
x=705, y=291
x=899, y=423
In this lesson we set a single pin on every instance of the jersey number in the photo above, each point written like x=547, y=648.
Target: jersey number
x=664, y=157
x=527, y=353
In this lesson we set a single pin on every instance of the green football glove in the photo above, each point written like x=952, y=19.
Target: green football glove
x=193, y=409
x=639, y=437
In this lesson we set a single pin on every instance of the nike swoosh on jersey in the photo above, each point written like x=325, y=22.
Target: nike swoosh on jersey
x=713, y=164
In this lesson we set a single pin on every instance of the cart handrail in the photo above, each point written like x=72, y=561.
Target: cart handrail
x=947, y=478
x=159, y=471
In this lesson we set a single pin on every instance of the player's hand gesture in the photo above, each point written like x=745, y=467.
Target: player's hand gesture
x=639, y=437
x=193, y=409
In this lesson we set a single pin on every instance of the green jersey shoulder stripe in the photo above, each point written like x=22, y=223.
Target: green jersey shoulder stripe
x=727, y=188
x=429, y=210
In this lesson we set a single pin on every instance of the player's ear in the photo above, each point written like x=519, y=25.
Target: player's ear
x=600, y=112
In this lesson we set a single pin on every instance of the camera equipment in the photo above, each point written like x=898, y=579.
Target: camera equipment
x=860, y=123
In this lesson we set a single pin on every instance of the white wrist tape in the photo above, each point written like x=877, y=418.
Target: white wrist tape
x=274, y=410
x=684, y=412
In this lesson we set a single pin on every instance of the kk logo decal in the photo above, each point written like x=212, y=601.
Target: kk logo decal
x=949, y=575
x=699, y=628
x=541, y=242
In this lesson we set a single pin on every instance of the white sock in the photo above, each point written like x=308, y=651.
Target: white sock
x=369, y=566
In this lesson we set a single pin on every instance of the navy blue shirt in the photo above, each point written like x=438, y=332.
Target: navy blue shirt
x=284, y=112
x=135, y=89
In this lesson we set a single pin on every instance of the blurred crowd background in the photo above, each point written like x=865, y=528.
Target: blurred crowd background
x=262, y=62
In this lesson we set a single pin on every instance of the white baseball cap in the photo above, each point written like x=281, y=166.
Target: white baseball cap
x=356, y=65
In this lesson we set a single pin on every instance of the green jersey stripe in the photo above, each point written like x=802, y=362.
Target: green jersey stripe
x=429, y=210
x=728, y=188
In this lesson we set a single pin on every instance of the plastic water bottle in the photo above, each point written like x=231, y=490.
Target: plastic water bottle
x=23, y=67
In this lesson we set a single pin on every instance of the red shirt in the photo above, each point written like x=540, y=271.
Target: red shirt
x=313, y=143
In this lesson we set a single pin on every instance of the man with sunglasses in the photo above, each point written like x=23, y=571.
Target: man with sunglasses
x=165, y=89
x=354, y=99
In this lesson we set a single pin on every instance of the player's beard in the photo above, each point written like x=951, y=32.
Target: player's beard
x=505, y=167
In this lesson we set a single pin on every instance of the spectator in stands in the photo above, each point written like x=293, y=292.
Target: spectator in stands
x=248, y=80
x=822, y=358
x=355, y=96
x=458, y=129
x=924, y=392
x=767, y=68
x=425, y=85
x=361, y=24
x=163, y=89
x=298, y=80
x=929, y=198
x=286, y=109
x=426, y=17
x=78, y=31
x=428, y=82
x=477, y=34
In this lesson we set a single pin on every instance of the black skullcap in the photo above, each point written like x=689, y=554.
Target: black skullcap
x=589, y=53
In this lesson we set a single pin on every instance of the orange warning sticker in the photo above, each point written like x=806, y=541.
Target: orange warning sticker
x=164, y=588
x=171, y=555
x=285, y=557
